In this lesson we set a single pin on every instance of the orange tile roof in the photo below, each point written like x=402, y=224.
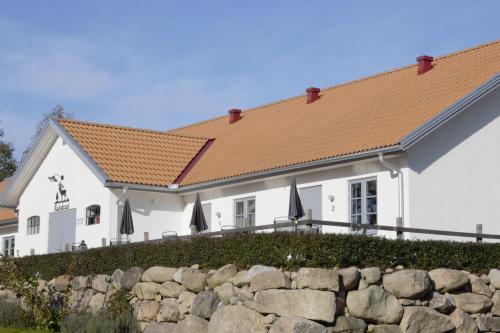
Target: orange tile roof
x=357, y=116
x=135, y=155
x=6, y=214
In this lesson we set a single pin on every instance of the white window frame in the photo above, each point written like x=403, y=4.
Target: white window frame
x=364, y=197
x=30, y=228
x=9, y=251
x=245, y=211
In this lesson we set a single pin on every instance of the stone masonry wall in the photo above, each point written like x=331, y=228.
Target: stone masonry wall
x=267, y=299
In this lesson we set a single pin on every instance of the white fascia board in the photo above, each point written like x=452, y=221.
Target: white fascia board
x=71, y=142
x=450, y=112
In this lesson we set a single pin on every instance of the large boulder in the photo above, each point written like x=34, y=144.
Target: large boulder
x=236, y=318
x=371, y=275
x=241, y=279
x=194, y=280
x=495, y=309
x=348, y=324
x=318, y=278
x=422, y=319
x=79, y=301
x=222, y=275
x=101, y=282
x=478, y=286
x=258, y=269
x=296, y=325
x=446, y=280
x=409, y=283
x=172, y=289
x=61, y=283
x=131, y=277
x=159, y=274
x=384, y=328
x=226, y=291
x=488, y=324
x=147, y=290
x=442, y=303
x=97, y=303
x=463, y=322
x=205, y=304
x=305, y=303
x=185, y=301
x=117, y=278
x=494, y=277
x=350, y=277
x=159, y=327
x=192, y=324
x=146, y=310
x=374, y=305
x=269, y=280
x=169, y=310
x=472, y=303
x=80, y=282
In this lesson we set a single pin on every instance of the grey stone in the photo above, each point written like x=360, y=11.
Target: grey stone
x=305, y=303
x=100, y=283
x=192, y=324
x=240, y=279
x=385, y=329
x=225, y=292
x=374, y=305
x=318, y=278
x=488, y=324
x=117, y=279
x=79, y=301
x=236, y=318
x=80, y=282
x=172, y=289
x=97, y=303
x=159, y=274
x=146, y=310
x=205, y=304
x=478, y=286
x=178, y=274
x=169, y=310
x=147, y=290
x=61, y=283
x=185, y=301
x=472, y=303
x=421, y=319
x=442, y=303
x=446, y=280
x=348, y=325
x=269, y=280
x=494, y=277
x=495, y=309
x=159, y=327
x=222, y=275
x=371, y=275
x=408, y=283
x=194, y=280
x=259, y=269
x=350, y=277
x=362, y=284
x=131, y=277
x=270, y=318
x=463, y=322
x=485, y=278
x=296, y=325
x=407, y=302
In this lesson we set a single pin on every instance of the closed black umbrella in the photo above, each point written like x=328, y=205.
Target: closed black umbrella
x=198, y=218
x=127, y=225
x=295, y=210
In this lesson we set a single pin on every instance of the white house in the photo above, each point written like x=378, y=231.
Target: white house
x=418, y=144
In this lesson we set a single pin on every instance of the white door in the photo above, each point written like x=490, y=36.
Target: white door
x=62, y=230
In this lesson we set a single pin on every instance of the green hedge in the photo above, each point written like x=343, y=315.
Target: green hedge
x=271, y=249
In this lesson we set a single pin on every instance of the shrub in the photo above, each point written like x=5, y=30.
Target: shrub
x=99, y=323
x=11, y=314
x=287, y=250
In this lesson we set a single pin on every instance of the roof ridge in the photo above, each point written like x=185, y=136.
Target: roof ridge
x=343, y=84
x=128, y=128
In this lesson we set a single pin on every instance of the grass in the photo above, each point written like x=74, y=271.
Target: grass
x=15, y=330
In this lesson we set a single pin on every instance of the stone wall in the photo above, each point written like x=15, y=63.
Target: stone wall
x=266, y=299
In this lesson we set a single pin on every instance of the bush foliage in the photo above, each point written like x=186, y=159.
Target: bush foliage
x=286, y=250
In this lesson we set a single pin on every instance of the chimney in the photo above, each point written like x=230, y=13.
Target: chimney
x=234, y=115
x=312, y=94
x=424, y=64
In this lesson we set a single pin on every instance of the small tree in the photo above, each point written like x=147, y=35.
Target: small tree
x=57, y=112
x=7, y=162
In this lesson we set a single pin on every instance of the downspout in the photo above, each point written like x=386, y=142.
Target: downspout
x=395, y=171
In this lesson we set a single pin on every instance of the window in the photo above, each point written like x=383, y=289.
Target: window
x=244, y=212
x=8, y=246
x=363, y=201
x=93, y=215
x=34, y=225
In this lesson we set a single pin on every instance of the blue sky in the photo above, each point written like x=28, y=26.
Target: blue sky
x=162, y=64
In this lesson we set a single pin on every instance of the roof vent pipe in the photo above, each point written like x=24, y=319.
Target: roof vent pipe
x=312, y=94
x=234, y=115
x=424, y=64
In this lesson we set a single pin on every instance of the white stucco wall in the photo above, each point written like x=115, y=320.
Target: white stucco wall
x=83, y=189
x=272, y=196
x=454, y=181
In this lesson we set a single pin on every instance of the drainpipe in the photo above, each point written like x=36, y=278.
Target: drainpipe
x=395, y=171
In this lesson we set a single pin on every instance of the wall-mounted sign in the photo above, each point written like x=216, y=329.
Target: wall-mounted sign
x=62, y=200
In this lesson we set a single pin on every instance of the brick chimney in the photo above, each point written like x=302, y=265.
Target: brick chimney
x=312, y=94
x=424, y=64
x=234, y=115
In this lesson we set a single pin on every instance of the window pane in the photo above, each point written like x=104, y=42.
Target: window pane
x=356, y=206
x=371, y=218
x=356, y=219
x=239, y=208
x=371, y=205
x=251, y=206
x=251, y=220
x=239, y=222
x=371, y=188
x=356, y=190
